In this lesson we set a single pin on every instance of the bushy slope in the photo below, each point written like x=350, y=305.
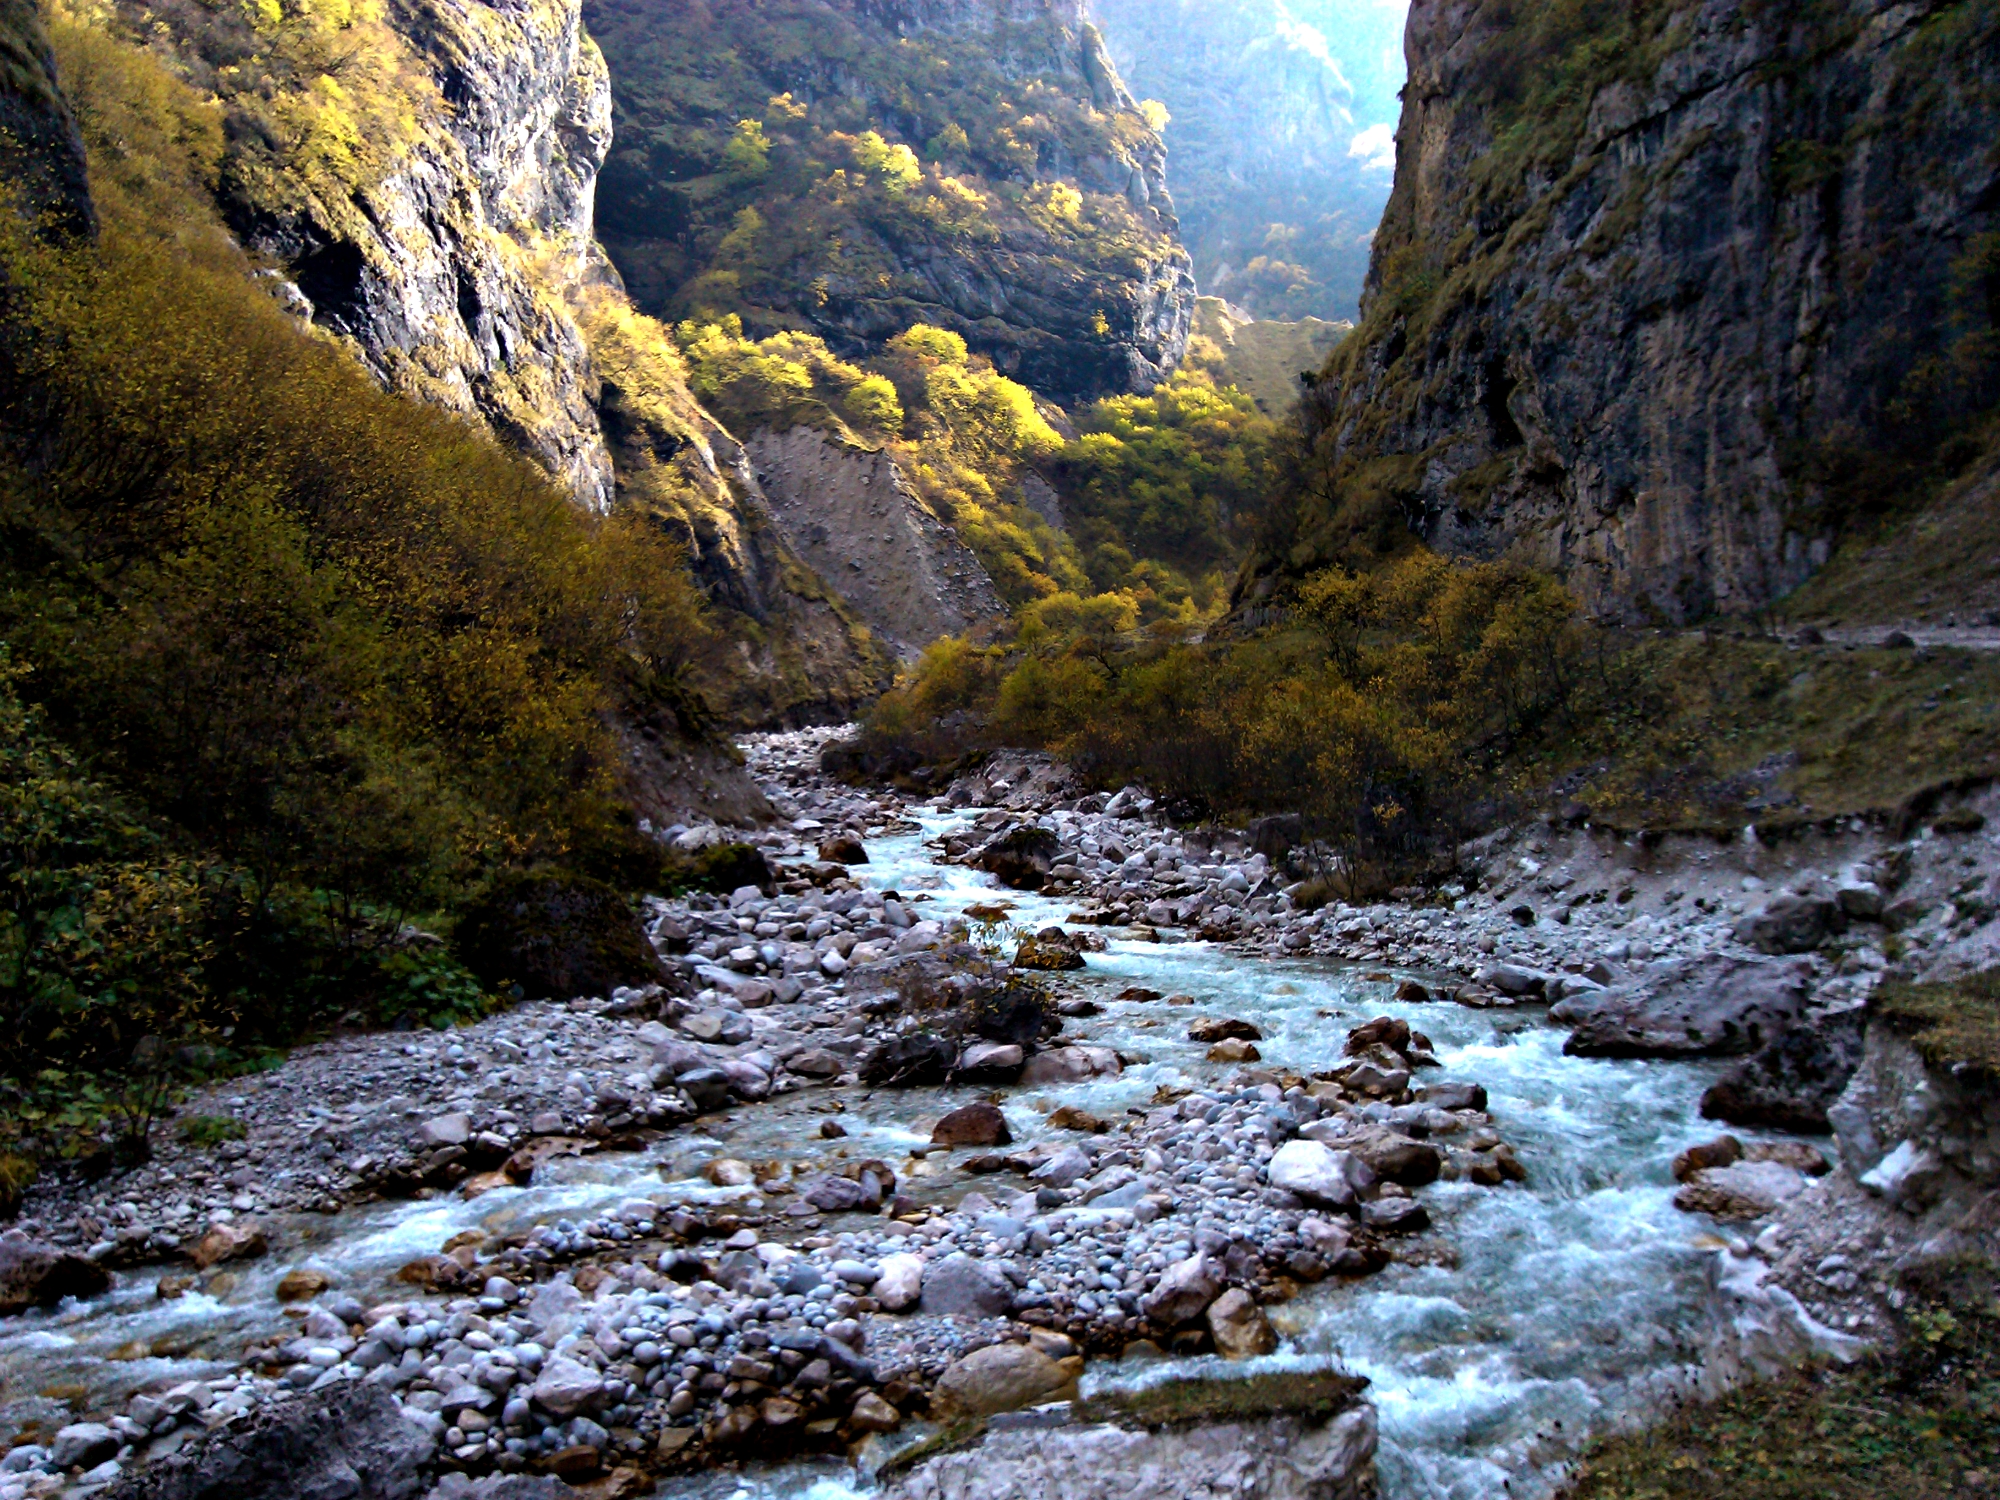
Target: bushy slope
x=808, y=165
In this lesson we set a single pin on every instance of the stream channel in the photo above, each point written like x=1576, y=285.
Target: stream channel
x=1576, y=1297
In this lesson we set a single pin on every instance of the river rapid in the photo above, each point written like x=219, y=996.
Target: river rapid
x=1564, y=1304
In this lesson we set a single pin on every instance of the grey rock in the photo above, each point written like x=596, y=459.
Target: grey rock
x=1792, y=924
x=1319, y=1174
x=1713, y=1006
x=35, y=1274
x=347, y=1441
x=708, y=1089
x=83, y=1445
x=1794, y=1080
x=959, y=1286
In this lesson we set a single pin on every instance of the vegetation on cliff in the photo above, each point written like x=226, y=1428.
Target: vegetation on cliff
x=808, y=170
x=289, y=660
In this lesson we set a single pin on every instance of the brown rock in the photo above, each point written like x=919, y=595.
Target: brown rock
x=1798, y=1155
x=302, y=1285
x=1235, y=1050
x=1069, y=1117
x=1222, y=1031
x=168, y=1288
x=872, y=1414
x=1383, y=1031
x=1409, y=992
x=727, y=1171
x=481, y=1183
x=1723, y=1151
x=1239, y=1327
x=977, y=1124
x=843, y=850
x=242, y=1240
x=34, y=1274
x=1001, y=1377
x=577, y=1462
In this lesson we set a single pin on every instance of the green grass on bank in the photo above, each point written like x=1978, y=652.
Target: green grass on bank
x=1921, y=1423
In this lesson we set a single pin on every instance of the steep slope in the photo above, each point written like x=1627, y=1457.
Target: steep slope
x=1282, y=112
x=1264, y=357
x=419, y=180
x=854, y=167
x=1668, y=297
x=41, y=154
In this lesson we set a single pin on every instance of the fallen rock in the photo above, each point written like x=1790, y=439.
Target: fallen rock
x=1070, y=1065
x=35, y=1274
x=1696, y=1007
x=349, y=1440
x=959, y=1286
x=991, y=1062
x=1019, y=858
x=1794, y=1080
x=1239, y=1327
x=1792, y=924
x=1744, y=1190
x=972, y=1125
x=242, y=1239
x=909, y=1061
x=1319, y=1174
x=1185, y=1290
x=843, y=850
x=1052, y=950
x=566, y=1386
x=1222, y=1031
x=901, y=1282
x=1001, y=1377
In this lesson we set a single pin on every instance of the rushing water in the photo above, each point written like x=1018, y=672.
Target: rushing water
x=1574, y=1297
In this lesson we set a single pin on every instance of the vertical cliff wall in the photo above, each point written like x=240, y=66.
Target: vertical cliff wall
x=1668, y=295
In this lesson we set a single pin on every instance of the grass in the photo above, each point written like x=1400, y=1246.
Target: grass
x=1715, y=729
x=1265, y=358
x=1954, y=1024
x=1917, y=1423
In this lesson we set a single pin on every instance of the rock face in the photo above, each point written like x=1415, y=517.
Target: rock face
x=1041, y=230
x=1653, y=277
x=1284, y=1458
x=848, y=511
x=1792, y=1082
x=41, y=154
x=1709, y=1007
x=1281, y=138
x=348, y=1442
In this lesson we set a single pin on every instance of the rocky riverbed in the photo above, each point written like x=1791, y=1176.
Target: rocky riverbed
x=1018, y=1095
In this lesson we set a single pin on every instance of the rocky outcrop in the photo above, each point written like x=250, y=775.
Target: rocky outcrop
x=1041, y=229
x=1699, y=1007
x=41, y=153
x=851, y=514
x=1281, y=111
x=1666, y=293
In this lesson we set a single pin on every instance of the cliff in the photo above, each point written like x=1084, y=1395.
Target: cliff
x=1668, y=298
x=1281, y=111
x=854, y=168
x=41, y=153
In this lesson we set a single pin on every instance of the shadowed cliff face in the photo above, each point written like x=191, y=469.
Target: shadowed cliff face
x=41, y=154
x=862, y=166
x=1667, y=296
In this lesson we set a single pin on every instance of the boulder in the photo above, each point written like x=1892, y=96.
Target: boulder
x=1239, y=1327
x=1070, y=1065
x=1184, y=1291
x=83, y=1445
x=1051, y=950
x=566, y=1386
x=242, y=1239
x=959, y=1286
x=349, y=1441
x=872, y=1414
x=991, y=1062
x=445, y=1130
x=728, y=1172
x=1453, y=1096
x=1319, y=1174
x=708, y=1089
x=1234, y=1050
x=1396, y=1216
x=1698, y=1007
x=1278, y=835
x=1792, y=924
x=1723, y=1151
x=920, y=1057
x=901, y=1282
x=1792, y=1082
x=1001, y=1377
x=35, y=1274
x=972, y=1125
x=1067, y=1166
x=1071, y=1117
x=556, y=936
x=839, y=1195
x=1020, y=857
x=1221, y=1031
x=843, y=849
x=1742, y=1190
x=1393, y=1157
x=1383, y=1031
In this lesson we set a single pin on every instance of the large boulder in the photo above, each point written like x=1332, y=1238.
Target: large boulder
x=1184, y=1291
x=1793, y=924
x=905, y=1061
x=1019, y=858
x=976, y=1124
x=1741, y=1190
x=34, y=1274
x=556, y=936
x=1001, y=1377
x=1319, y=1174
x=1697, y=1007
x=349, y=1441
x=959, y=1286
x=1790, y=1084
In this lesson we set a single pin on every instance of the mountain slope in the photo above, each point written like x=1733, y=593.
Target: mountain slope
x=1668, y=298
x=1280, y=137
x=41, y=154
x=852, y=168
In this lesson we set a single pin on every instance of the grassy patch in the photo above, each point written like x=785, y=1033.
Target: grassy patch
x=1921, y=1422
x=211, y=1130
x=1955, y=1023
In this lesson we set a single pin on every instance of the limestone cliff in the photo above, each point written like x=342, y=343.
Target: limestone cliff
x=1668, y=295
x=41, y=153
x=853, y=167
x=1282, y=111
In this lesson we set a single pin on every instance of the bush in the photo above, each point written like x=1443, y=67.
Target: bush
x=550, y=935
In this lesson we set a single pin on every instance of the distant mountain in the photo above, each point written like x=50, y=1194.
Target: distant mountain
x=1281, y=143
